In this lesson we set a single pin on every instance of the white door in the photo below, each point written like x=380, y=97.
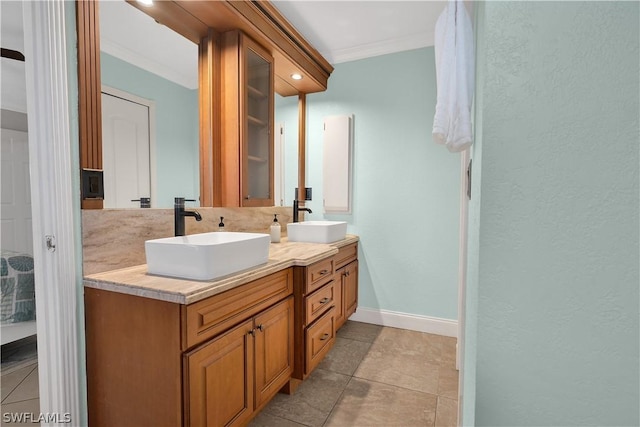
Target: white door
x=17, y=234
x=125, y=152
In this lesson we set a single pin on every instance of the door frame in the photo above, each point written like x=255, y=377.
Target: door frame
x=151, y=105
x=55, y=186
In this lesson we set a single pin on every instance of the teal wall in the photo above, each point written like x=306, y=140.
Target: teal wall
x=406, y=188
x=554, y=257
x=176, y=126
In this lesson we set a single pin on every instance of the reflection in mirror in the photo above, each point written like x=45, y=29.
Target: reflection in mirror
x=149, y=109
x=286, y=116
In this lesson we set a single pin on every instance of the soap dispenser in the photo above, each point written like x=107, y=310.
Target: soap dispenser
x=221, y=225
x=275, y=230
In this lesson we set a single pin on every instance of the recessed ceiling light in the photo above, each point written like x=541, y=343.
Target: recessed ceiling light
x=296, y=76
x=146, y=2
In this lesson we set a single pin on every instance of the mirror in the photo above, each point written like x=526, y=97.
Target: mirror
x=286, y=116
x=149, y=76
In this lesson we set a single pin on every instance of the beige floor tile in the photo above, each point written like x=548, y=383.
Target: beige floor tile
x=410, y=342
x=403, y=369
x=448, y=356
x=366, y=403
x=345, y=356
x=447, y=412
x=448, y=383
x=9, y=382
x=264, y=419
x=26, y=390
x=18, y=410
x=313, y=400
x=359, y=331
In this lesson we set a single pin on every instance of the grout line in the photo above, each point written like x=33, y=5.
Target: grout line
x=18, y=385
x=337, y=400
x=400, y=387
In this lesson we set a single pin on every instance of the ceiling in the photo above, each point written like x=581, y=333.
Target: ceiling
x=348, y=30
x=340, y=30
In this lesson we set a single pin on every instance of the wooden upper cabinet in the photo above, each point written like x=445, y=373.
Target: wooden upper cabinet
x=247, y=122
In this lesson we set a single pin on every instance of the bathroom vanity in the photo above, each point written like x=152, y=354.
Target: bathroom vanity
x=171, y=352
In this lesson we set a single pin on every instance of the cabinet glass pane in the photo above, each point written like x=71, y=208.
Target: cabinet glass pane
x=258, y=150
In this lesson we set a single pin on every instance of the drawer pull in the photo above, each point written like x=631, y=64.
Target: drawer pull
x=324, y=300
x=323, y=272
x=324, y=337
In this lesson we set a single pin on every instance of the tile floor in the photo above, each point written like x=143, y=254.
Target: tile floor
x=19, y=380
x=374, y=376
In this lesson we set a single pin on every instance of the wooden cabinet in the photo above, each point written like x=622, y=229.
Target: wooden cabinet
x=234, y=374
x=349, y=280
x=346, y=282
x=315, y=292
x=220, y=377
x=211, y=363
x=247, y=159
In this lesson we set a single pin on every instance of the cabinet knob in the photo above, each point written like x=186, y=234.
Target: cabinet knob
x=324, y=337
x=252, y=332
x=324, y=300
x=260, y=327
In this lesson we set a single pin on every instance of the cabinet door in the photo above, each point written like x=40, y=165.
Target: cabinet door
x=274, y=350
x=350, y=289
x=339, y=296
x=219, y=380
x=257, y=146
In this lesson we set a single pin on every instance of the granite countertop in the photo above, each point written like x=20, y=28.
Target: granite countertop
x=136, y=281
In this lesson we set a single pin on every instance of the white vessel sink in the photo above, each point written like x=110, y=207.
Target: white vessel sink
x=206, y=256
x=317, y=231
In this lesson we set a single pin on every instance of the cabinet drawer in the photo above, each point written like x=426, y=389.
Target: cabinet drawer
x=213, y=315
x=318, y=274
x=319, y=301
x=345, y=255
x=319, y=340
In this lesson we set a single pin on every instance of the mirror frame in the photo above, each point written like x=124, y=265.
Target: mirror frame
x=260, y=20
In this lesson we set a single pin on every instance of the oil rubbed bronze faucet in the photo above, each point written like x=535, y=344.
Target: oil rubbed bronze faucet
x=297, y=209
x=180, y=213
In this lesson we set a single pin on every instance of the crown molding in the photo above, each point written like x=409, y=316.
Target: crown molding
x=399, y=44
x=134, y=58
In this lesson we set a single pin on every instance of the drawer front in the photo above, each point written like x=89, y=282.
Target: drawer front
x=318, y=274
x=209, y=317
x=346, y=255
x=319, y=340
x=319, y=301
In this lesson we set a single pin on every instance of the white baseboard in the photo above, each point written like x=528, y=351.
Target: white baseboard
x=413, y=322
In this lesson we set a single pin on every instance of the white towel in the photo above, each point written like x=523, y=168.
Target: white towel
x=455, y=77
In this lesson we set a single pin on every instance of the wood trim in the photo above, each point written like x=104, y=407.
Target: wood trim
x=302, y=144
x=89, y=90
x=280, y=21
x=172, y=15
x=231, y=114
x=209, y=111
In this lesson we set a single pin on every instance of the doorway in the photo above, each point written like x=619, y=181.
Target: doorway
x=128, y=149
